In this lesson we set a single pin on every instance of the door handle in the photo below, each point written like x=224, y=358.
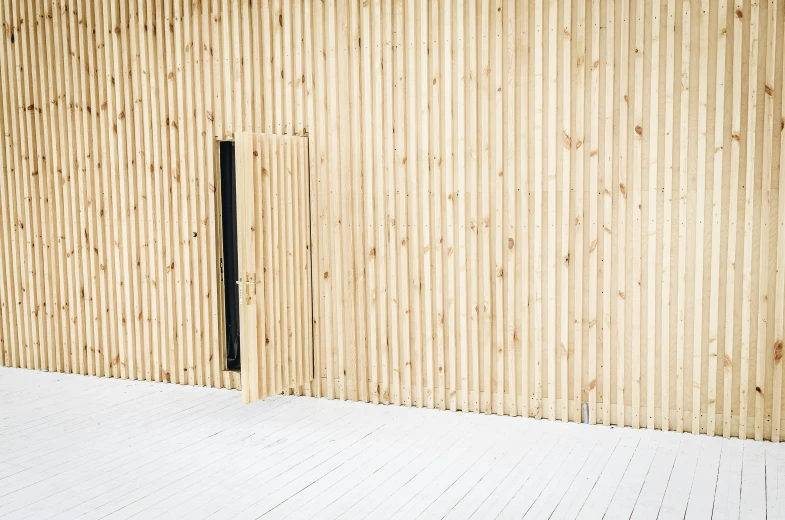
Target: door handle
x=247, y=282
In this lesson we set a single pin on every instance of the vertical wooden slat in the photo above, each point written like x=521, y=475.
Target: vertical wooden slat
x=413, y=375
x=697, y=346
x=235, y=78
x=552, y=144
x=167, y=283
x=314, y=309
x=184, y=82
x=749, y=198
x=621, y=211
x=19, y=153
x=651, y=210
x=733, y=213
x=337, y=159
x=261, y=346
x=382, y=391
x=248, y=162
x=424, y=383
x=391, y=170
x=636, y=134
x=200, y=199
x=37, y=19
x=716, y=217
x=472, y=161
x=486, y=344
x=179, y=370
x=265, y=50
x=590, y=135
x=349, y=276
x=462, y=166
x=208, y=207
x=136, y=234
x=287, y=239
x=510, y=197
x=667, y=218
x=14, y=308
x=773, y=26
x=372, y=244
x=147, y=196
x=539, y=86
x=523, y=170
x=681, y=282
x=400, y=366
x=321, y=212
x=360, y=363
x=779, y=297
x=73, y=210
x=335, y=196
x=497, y=172
x=436, y=159
x=271, y=299
x=34, y=121
x=5, y=309
x=306, y=348
x=564, y=255
x=277, y=261
x=76, y=213
x=285, y=31
x=46, y=172
x=607, y=197
x=451, y=335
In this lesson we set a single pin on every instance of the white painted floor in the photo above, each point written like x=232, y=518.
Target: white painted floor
x=83, y=447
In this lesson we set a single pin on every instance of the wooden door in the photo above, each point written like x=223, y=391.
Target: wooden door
x=274, y=263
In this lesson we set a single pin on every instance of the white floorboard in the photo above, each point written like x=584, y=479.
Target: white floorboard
x=84, y=447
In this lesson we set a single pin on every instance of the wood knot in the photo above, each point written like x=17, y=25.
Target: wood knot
x=778, y=351
x=372, y=252
x=739, y=13
x=623, y=190
x=727, y=362
x=593, y=384
x=326, y=274
x=567, y=140
x=510, y=243
x=736, y=137
x=769, y=90
x=638, y=130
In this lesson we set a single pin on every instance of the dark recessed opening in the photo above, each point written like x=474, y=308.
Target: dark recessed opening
x=229, y=261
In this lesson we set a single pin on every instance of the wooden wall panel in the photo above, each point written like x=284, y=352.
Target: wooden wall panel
x=517, y=207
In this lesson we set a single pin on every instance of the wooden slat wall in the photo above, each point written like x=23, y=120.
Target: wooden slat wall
x=517, y=206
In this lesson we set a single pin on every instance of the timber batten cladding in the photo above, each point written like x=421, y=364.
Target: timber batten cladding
x=516, y=207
